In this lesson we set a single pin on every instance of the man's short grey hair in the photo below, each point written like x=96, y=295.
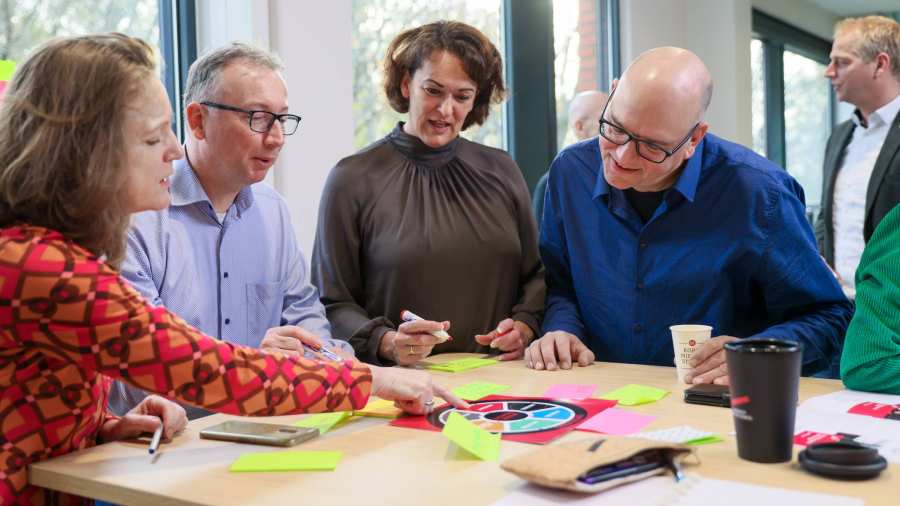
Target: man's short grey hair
x=204, y=73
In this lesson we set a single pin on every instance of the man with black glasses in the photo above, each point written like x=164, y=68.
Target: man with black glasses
x=658, y=223
x=224, y=255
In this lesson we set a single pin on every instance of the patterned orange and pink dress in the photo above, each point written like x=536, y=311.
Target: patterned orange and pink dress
x=69, y=325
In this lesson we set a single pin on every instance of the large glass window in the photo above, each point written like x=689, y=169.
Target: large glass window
x=758, y=115
x=576, y=40
x=807, y=122
x=25, y=24
x=792, y=101
x=375, y=23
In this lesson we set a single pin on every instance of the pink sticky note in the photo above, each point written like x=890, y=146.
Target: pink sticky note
x=563, y=391
x=616, y=421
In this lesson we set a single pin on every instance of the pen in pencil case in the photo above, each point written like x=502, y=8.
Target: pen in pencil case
x=408, y=316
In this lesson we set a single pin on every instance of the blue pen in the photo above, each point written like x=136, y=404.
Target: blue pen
x=325, y=352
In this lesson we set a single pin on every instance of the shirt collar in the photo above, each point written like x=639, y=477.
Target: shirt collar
x=882, y=116
x=686, y=184
x=186, y=188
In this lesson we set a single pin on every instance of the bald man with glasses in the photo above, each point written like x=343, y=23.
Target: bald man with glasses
x=657, y=223
x=224, y=255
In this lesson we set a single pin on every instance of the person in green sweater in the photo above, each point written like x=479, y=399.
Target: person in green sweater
x=871, y=358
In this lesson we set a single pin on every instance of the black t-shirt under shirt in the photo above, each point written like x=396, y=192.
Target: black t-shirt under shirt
x=645, y=203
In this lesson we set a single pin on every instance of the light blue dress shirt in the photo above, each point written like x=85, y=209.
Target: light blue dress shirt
x=232, y=279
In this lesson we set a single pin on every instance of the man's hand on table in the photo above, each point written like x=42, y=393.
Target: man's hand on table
x=560, y=348
x=709, y=362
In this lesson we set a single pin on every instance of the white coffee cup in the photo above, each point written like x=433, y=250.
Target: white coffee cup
x=686, y=339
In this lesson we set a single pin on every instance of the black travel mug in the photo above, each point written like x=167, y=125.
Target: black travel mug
x=765, y=377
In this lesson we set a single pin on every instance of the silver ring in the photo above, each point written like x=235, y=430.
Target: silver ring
x=430, y=403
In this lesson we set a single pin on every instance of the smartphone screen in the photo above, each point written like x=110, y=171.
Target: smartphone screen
x=640, y=463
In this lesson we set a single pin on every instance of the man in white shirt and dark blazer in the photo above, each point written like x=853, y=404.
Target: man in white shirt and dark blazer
x=862, y=159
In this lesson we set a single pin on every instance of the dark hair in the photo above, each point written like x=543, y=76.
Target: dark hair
x=61, y=138
x=480, y=59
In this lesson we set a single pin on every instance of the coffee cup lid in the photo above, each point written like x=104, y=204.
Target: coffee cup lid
x=763, y=345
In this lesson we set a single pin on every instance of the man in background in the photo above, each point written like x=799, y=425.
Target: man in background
x=584, y=122
x=862, y=158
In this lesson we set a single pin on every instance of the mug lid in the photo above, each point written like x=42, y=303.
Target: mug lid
x=763, y=345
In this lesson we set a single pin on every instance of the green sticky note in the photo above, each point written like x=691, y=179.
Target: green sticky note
x=472, y=438
x=632, y=395
x=478, y=389
x=7, y=67
x=323, y=421
x=285, y=461
x=713, y=438
x=462, y=364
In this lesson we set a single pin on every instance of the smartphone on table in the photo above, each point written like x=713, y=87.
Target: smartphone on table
x=240, y=431
x=708, y=395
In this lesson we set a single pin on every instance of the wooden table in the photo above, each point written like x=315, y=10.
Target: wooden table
x=389, y=465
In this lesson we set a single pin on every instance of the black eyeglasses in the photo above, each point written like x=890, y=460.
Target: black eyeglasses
x=647, y=150
x=262, y=121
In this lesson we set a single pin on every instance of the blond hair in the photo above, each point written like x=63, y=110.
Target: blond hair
x=877, y=34
x=62, y=138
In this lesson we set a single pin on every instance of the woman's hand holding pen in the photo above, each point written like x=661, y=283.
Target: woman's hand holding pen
x=145, y=418
x=411, y=342
x=510, y=337
x=412, y=391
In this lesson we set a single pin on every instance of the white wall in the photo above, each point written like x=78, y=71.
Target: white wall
x=719, y=32
x=313, y=39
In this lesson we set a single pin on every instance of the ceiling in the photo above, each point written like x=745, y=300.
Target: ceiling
x=857, y=7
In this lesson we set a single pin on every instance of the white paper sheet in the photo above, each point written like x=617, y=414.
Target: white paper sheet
x=662, y=490
x=828, y=414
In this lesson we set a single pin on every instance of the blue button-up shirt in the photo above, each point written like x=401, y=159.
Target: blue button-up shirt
x=232, y=279
x=729, y=247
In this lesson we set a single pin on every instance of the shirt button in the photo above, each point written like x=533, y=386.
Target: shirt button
x=225, y=275
x=227, y=321
x=643, y=245
x=637, y=327
x=639, y=286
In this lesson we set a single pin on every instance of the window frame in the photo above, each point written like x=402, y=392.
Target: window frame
x=776, y=37
x=531, y=110
x=178, y=45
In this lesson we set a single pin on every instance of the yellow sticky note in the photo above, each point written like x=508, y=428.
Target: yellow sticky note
x=472, y=438
x=379, y=408
x=478, y=389
x=7, y=67
x=462, y=364
x=632, y=395
x=323, y=421
x=286, y=461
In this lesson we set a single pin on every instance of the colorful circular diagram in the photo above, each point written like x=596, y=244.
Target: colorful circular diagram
x=519, y=416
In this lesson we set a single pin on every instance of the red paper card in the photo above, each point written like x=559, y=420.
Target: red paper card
x=809, y=437
x=875, y=409
x=535, y=420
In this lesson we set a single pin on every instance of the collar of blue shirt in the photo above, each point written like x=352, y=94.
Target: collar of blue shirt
x=187, y=190
x=686, y=184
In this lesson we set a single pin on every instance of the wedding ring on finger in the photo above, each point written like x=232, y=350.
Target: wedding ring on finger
x=429, y=406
